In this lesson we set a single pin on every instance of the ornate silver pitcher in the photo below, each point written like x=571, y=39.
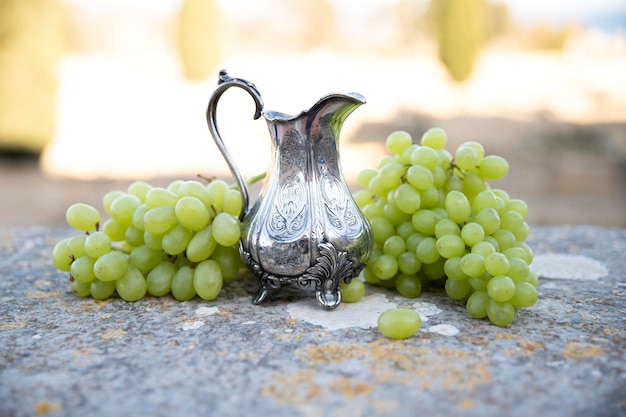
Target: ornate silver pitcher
x=304, y=228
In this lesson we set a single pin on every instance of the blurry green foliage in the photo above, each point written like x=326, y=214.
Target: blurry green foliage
x=33, y=35
x=199, y=38
x=460, y=28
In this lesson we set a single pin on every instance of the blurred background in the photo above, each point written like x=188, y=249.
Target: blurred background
x=97, y=93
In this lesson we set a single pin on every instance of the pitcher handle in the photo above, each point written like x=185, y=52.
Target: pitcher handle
x=224, y=83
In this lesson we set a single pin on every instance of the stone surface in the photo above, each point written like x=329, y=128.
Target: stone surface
x=65, y=356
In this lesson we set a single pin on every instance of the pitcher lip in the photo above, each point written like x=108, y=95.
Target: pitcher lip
x=276, y=116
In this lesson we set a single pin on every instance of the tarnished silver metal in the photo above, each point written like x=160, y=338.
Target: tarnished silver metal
x=305, y=228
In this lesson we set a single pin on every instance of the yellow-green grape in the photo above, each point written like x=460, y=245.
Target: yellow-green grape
x=159, y=219
x=473, y=264
x=472, y=233
x=138, y=215
x=160, y=197
x=132, y=285
x=525, y=295
x=110, y=266
x=408, y=263
x=233, y=202
x=62, y=256
x=497, y=264
x=123, y=208
x=182, y=284
x=477, y=303
x=435, y=138
x=518, y=269
x=489, y=219
x=83, y=217
x=398, y=141
x=145, y=259
x=408, y=285
x=82, y=269
x=458, y=290
x=114, y=229
x=207, y=279
x=101, y=290
x=226, y=229
x=97, y=244
x=217, y=189
x=394, y=246
x=501, y=288
x=134, y=236
x=201, y=245
x=493, y=167
x=385, y=267
x=452, y=269
x=159, y=280
x=407, y=198
x=425, y=156
x=175, y=240
x=352, y=292
x=364, y=177
x=174, y=186
x=139, y=189
x=466, y=158
x=500, y=313
x=109, y=198
x=450, y=246
x=427, y=251
x=197, y=190
x=458, y=207
x=81, y=289
x=192, y=213
x=446, y=226
x=229, y=260
x=399, y=323
x=420, y=177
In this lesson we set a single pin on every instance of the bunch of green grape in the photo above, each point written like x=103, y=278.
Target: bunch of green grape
x=180, y=240
x=436, y=219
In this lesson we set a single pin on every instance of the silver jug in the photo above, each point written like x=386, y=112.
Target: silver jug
x=305, y=228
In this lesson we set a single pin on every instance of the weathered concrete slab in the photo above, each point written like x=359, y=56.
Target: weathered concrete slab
x=64, y=356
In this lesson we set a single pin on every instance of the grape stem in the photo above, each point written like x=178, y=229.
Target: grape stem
x=251, y=181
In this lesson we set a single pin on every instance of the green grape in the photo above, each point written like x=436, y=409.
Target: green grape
x=500, y=314
x=394, y=246
x=385, y=267
x=505, y=239
x=123, y=208
x=414, y=240
x=97, y=244
x=352, y=292
x=110, y=266
x=377, y=187
x=138, y=215
x=479, y=283
x=396, y=216
x=132, y=286
x=160, y=197
x=101, y=290
x=427, y=251
x=472, y=234
x=83, y=217
x=362, y=198
x=201, y=245
x=420, y=177
x=450, y=246
x=405, y=158
x=134, y=236
x=519, y=206
x=458, y=290
x=182, y=284
x=483, y=248
x=369, y=276
x=371, y=211
x=473, y=184
x=195, y=189
x=497, y=264
x=398, y=141
x=80, y=289
x=434, y=271
x=408, y=285
x=489, y=219
x=425, y=156
x=399, y=323
x=458, y=207
x=511, y=220
x=405, y=229
x=477, y=147
x=82, y=269
x=387, y=159
x=501, y=288
x=139, y=189
x=493, y=167
x=192, y=213
x=522, y=233
x=518, y=269
x=445, y=160
x=430, y=197
x=500, y=193
x=484, y=199
x=153, y=241
x=62, y=256
x=229, y=260
x=159, y=280
x=528, y=251
x=145, y=259
x=391, y=174
x=532, y=279
x=226, y=229
x=452, y=269
x=473, y=264
x=435, y=138
x=217, y=190
x=407, y=198
x=525, y=295
x=159, y=220
x=425, y=221
x=364, y=177
x=453, y=183
x=109, y=198
x=114, y=229
x=76, y=245
x=207, y=279
x=408, y=263
x=477, y=303
x=466, y=158
x=175, y=241
x=382, y=229
x=493, y=242
x=446, y=226
x=174, y=186
x=233, y=202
